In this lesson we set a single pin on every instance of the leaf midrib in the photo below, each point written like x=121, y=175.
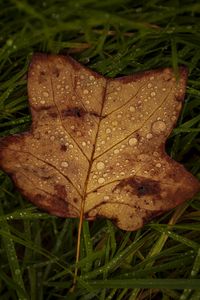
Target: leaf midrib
x=95, y=143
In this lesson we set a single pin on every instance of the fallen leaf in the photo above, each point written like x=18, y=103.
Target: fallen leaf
x=98, y=143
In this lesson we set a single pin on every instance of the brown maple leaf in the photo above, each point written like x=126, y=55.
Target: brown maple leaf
x=96, y=144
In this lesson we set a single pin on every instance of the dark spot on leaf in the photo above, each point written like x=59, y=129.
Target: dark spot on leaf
x=60, y=191
x=78, y=112
x=60, y=207
x=51, y=204
x=63, y=148
x=46, y=177
x=53, y=114
x=74, y=112
x=114, y=219
x=150, y=215
x=55, y=71
x=142, y=190
x=42, y=77
x=179, y=98
x=75, y=200
x=139, y=186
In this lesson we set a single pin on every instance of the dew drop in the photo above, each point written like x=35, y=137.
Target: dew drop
x=101, y=180
x=143, y=157
x=100, y=165
x=114, y=123
x=91, y=77
x=133, y=142
x=149, y=85
x=132, y=108
x=167, y=75
x=116, y=151
x=158, y=165
x=84, y=144
x=85, y=92
x=17, y=271
x=158, y=127
x=52, y=138
x=64, y=164
x=42, y=102
x=173, y=118
x=108, y=130
x=149, y=136
x=45, y=94
x=153, y=94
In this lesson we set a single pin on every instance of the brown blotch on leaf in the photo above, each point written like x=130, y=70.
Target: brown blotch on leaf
x=77, y=112
x=53, y=114
x=139, y=186
x=60, y=191
x=74, y=112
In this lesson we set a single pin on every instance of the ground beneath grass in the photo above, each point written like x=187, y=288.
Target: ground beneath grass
x=115, y=38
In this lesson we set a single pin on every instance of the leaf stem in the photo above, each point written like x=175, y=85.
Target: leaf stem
x=85, y=195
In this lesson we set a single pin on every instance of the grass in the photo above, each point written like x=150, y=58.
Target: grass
x=116, y=37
